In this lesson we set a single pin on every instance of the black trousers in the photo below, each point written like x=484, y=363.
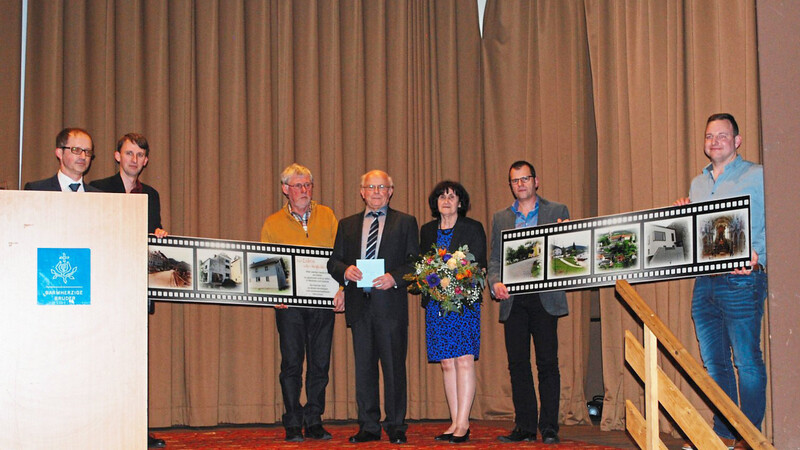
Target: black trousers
x=528, y=318
x=304, y=332
x=385, y=341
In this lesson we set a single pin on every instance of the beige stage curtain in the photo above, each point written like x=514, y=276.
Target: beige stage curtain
x=609, y=100
x=230, y=92
x=538, y=107
x=10, y=54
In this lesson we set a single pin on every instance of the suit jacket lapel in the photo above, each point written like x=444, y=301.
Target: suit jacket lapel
x=388, y=225
x=457, y=230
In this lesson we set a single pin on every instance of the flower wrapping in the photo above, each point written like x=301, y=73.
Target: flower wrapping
x=454, y=280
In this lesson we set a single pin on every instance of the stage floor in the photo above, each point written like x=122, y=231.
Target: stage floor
x=420, y=435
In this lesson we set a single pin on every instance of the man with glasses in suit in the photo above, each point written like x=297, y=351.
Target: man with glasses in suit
x=377, y=313
x=75, y=151
x=529, y=315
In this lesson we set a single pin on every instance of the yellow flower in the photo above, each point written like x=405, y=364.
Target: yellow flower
x=459, y=255
x=452, y=263
x=445, y=282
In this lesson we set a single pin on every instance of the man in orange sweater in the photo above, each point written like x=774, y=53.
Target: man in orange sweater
x=304, y=332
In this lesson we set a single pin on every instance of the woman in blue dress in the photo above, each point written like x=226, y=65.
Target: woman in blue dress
x=454, y=339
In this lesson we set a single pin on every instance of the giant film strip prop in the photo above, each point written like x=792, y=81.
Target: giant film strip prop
x=199, y=270
x=657, y=244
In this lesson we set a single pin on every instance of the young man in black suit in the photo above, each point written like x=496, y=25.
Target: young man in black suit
x=378, y=314
x=75, y=151
x=132, y=154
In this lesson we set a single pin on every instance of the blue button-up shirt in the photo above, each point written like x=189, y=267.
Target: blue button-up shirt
x=739, y=177
x=528, y=220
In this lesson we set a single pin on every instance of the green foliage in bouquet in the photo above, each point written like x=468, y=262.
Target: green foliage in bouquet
x=452, y=279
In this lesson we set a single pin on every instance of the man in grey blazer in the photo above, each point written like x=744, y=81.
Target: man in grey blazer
x=75, y=151
x=529, y=315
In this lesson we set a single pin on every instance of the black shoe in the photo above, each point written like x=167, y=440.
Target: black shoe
x=294, y=434
x=459, y=439
x=518, y=435
x=154, y=442
x=444, y=437
x=364, y=436
x=317, y=432
x=550, y=437
x=398, y=437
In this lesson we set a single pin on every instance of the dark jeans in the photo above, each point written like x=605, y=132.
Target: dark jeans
x=304, y=331
x=528, y=318
x=727, y=312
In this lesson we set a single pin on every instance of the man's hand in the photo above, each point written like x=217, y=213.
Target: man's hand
x=160, y=233
x=384, y=282
x=500, y=291
x=352, y=274
x=681, y=201
x=338, y=301
x=745, y=271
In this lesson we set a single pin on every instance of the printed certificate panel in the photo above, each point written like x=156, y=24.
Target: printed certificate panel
x=642, y=246
x=199, y=270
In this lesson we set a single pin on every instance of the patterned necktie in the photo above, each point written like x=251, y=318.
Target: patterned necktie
x=372, y=237
x=74, y=187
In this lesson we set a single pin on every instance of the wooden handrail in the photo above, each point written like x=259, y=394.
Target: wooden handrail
x=693, y=368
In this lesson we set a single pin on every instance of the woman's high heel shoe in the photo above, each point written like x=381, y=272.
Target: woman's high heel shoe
x=459, y=439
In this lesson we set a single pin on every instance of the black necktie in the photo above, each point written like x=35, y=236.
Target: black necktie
x=74, y=187
x=372, y=237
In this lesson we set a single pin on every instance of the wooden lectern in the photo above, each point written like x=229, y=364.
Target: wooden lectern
x=74, y=356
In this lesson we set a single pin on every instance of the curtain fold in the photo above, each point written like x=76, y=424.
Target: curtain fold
x=607, y=99
x=10, y=76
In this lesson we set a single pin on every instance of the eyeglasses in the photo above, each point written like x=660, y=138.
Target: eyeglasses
x=376, y=187
x=300, y=186
x=78, y=150
x=520, y=180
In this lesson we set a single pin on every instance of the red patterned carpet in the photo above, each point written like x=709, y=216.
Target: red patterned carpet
x=420, y=435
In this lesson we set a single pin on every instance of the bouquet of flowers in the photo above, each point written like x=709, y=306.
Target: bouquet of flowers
x=452, y=279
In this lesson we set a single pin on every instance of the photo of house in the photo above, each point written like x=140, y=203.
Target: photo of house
x=269, y=274
x=568, y=254
x=219, y=270
x=616, y=249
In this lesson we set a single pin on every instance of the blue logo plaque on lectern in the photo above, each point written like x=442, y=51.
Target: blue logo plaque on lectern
x=64, y=276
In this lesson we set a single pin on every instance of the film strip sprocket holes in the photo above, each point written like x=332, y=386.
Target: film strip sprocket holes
x=199, y=270
x=658, y=244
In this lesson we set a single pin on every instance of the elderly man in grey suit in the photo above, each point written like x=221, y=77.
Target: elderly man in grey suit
x=529, y=315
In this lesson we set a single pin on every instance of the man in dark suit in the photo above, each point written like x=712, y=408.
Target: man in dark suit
x=132, y=155
x=377, y=314
x=529, y=315
x=75, y=151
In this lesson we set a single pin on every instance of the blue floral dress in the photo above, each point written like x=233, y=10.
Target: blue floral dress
x=451, y=335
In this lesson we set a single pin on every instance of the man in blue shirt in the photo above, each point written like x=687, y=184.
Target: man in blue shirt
x=526, y=316
x=727, y=309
